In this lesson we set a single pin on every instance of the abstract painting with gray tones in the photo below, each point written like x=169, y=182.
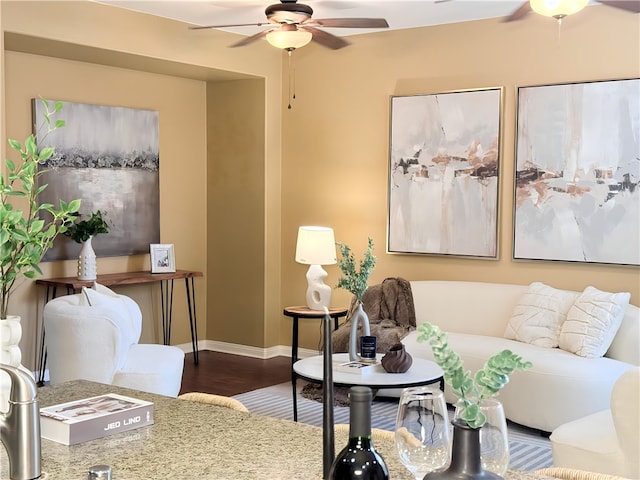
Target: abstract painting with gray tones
x=577, y=172
x=107, y=157
x=443, y=178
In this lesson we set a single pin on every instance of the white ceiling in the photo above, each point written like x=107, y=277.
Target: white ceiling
x=398, y=13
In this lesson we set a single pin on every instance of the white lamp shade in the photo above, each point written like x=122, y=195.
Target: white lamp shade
x=316, y=246
x=557, y=8
x=289, y=39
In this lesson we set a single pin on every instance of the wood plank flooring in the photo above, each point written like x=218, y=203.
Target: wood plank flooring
x=227, y=374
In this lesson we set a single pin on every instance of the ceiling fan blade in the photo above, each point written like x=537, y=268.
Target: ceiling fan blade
x=326, y=39
x=519, y=13
x=251, y=39
x=350, y=22
x=629, y=5
x=202, y=27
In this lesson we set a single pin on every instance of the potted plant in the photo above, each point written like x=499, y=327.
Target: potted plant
x=471, y=392
x=355, y=281
x=82, y=231
x=24, y=235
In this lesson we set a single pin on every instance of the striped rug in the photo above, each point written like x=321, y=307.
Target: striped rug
x=528, y=450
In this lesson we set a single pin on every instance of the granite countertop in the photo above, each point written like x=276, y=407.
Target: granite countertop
x=191, y=440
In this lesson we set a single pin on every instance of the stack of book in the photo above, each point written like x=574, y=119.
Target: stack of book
x=95, y=417
x=358, y=368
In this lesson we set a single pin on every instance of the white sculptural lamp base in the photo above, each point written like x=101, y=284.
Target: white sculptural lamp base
x=318, y=293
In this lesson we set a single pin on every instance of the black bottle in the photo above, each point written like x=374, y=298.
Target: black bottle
x=359, y=459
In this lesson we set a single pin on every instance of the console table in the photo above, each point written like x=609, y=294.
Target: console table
x=73, y=285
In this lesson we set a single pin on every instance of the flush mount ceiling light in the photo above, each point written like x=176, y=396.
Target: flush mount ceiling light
x=557, y=8
x=561, y=8
x=288, y=37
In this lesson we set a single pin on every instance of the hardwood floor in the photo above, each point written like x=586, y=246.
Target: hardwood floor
x=227, y=374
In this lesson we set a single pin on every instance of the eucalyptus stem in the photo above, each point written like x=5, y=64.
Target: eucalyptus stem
x=470, y=390
x=352, y=280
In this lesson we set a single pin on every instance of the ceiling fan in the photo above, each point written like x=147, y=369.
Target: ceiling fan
x=292, y=27
x=526, y=7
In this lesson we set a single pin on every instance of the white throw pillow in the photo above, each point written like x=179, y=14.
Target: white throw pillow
x=539, y=315
x=592, y=322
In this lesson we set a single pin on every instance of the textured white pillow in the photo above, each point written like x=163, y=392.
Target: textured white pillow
x=539, y=315
x=592, y=322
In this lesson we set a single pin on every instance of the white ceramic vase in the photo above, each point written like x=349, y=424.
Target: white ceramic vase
x=358, y=319
x=10, y=354
x=87, y=261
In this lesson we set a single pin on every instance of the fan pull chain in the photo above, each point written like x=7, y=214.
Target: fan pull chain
x=292, y=78
x=559, y=29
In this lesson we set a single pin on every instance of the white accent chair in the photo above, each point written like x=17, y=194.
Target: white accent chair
x=94, y=336
x=607, y=441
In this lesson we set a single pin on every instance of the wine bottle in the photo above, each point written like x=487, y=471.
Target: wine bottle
x=359, y=459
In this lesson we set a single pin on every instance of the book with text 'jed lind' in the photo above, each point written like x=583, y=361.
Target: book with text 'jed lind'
x=95, y=417
x=358, y=368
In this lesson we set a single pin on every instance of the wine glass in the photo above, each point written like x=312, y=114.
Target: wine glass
x=422, y=435
x=494, y=439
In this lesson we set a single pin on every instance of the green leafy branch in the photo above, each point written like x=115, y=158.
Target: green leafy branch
x=352, y=280
x=486, y=383
x=24, y=235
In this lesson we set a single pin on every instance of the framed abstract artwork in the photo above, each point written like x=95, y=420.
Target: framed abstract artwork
x=444, y=165
x=108, y=157
x=577, y=197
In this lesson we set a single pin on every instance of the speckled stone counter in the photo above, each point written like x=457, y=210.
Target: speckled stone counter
x=195, y=441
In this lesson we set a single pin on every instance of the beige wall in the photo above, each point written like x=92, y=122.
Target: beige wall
x=236, y=195
x=335, y=162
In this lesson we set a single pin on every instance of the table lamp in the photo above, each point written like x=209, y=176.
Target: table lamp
x=316, y=247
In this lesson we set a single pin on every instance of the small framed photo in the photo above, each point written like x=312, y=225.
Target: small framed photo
x=163, y=258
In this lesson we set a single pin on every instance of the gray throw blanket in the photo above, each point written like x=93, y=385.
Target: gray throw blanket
x=389, y=306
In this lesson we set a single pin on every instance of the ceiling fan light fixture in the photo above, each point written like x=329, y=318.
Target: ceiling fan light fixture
x=289, y=39
x=557, y=8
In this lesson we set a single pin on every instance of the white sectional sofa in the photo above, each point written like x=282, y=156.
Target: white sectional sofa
x=560, y=387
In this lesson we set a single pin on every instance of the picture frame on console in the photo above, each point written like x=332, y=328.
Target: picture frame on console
x=163, y=258
x=444, y=167
x=576, y=195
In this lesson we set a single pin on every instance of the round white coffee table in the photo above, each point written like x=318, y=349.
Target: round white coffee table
x=422, y=372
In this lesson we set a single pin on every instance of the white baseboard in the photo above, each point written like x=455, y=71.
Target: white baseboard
x=247, y=351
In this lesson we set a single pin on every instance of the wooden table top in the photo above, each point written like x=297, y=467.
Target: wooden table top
x=113, y=279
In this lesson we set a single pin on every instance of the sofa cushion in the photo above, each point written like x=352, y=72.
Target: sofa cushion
x=574, y=445
x=592, y=322
x=539, y=315
x=152, y=368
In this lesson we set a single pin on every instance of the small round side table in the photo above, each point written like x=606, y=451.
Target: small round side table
x=305, y=312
